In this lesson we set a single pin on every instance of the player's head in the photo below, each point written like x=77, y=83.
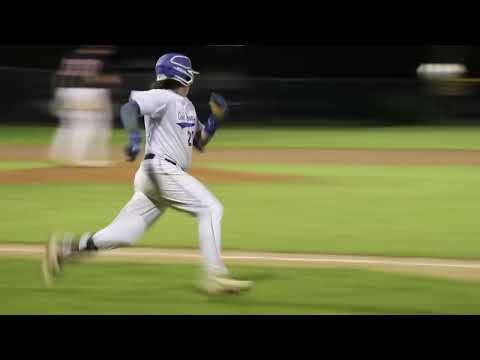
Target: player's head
x=176, y=67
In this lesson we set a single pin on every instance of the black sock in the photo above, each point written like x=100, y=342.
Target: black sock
x=90, y=245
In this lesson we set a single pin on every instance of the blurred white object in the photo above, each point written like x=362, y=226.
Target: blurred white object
x=82, y=102
x=83, y=136
x=440, y=71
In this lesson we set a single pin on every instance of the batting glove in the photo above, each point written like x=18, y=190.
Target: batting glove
x=219, y=108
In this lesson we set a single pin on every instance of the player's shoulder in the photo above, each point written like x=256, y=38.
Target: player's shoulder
x=155, y=95
x=170, y=96
x=161, y=96
x=161, y=93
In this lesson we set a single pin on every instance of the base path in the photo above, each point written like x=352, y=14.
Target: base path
x=444, y=268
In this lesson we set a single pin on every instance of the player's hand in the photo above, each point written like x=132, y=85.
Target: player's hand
x=133, y=148
x=218, y=106
x=131, y=151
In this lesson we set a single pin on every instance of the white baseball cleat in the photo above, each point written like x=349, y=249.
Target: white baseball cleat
x=51, y=265
x=54, y=257
x=62, y=248
x=224, y=285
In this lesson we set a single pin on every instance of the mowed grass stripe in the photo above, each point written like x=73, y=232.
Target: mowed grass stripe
x=415, y=137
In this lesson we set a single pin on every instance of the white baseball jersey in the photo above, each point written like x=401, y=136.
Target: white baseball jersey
x=170, y=124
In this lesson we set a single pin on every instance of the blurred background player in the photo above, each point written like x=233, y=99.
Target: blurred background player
x=83, y=105
x=162, y=181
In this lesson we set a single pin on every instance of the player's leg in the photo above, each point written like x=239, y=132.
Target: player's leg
x=166, y=182
x=60, y=146
x=130, y=224
x=97, y=128
x=106, y=125
x=186, y=193
x=101, y=146
x=85, y=135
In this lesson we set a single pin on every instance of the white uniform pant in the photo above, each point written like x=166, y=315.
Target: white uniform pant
x=159, y=185
x=83, y=135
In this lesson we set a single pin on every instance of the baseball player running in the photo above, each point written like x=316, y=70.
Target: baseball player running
x=162, y=180
x=83, y=104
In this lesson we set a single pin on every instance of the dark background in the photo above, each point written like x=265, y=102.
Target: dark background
x=398, y=61
x=272, y=85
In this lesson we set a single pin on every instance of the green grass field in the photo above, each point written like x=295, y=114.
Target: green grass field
x=429, y=211
x=402, y=211
x=170, y=289
x=18, y=165
x=467, y=138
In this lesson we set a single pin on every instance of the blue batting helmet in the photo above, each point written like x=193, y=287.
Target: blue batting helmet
x=177, y=67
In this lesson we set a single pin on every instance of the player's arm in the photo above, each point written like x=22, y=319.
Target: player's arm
x=206, y=133
x=129, y=114
x=218, y=107
x=141, y=103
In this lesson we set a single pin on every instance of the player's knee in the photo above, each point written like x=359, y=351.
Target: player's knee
x=219, y=209
x=213, y=209
x=216, y=209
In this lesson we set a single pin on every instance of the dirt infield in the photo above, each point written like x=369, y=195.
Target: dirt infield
x=288, y=156
x=124, y=172
x=442, y=268
x=120, y=171
x=348, y=157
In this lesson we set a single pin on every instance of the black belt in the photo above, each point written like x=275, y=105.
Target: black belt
x=151, y=156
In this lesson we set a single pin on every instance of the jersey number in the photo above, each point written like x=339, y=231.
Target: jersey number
x=191, y=135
